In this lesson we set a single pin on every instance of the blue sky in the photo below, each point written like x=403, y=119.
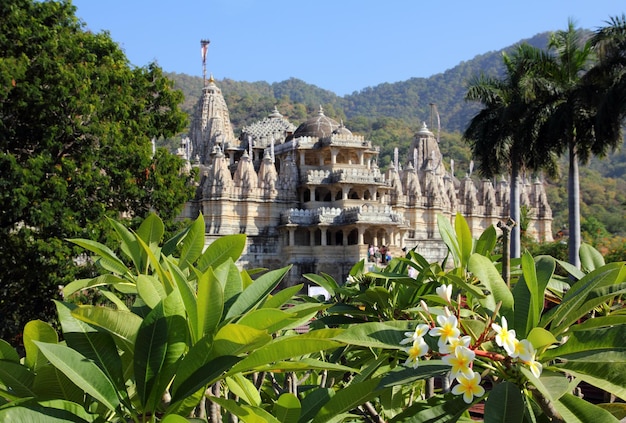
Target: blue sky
x=341, y=45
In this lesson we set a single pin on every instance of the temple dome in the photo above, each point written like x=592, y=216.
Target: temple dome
x=320, y=126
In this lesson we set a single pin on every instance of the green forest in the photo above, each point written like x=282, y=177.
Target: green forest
x=390, y=113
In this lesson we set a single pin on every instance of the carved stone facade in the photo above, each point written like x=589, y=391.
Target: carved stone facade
x=314, y=197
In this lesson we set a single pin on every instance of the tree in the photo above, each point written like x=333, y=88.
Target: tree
x=75, y=132
x=566, y=116
x=501, y=134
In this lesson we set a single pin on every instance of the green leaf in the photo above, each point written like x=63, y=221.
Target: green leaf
x=123, y=325
x=129, y=244
x=96, y=345
x=7, y=352
x=550, y=384
x=505, y=404
x=200, y=375
x=488, y=275
x=151, y=232
x=590, y=258
x=257, y=292
x=246, y=413
x=347, y=398
x=448, y=235
x=234, y=339
x=222, y=249
x=288, y=347
x=328, y=283
x=578, y=410
x=279, y=298
x=435, y=410
x=243, y=389
x=540, y=338
x=83, y=372
x=375, y=335
x=55, y=411
x=17, y=377
x=188, y=295
x=36, y=330
x=210, y=303
x=102, y=280
x=486, y=242
x=107, y=257
x=192, y=244
x=464, y=237
x=287, y=408
x=150, y=290
x=402, y=375
x=165, y=278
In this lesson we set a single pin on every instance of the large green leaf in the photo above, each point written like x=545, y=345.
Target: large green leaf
x=83, y=372
x=7, y=352
x=448, y=235
x=289, y=347
x=243, y=389
x=590, y=258
x=107, y=257
x=129, y=245
x=287, y=408
x=150, y=290
x=348, y=398
x=234, y=339
x=55, y=411
x=435, y=410
x=375, y=334
x=584, y=296
x=402, y=375
x=36, y=330
x=551, y=385
x=577, y=410
x=18, y=377
x=464, y=237
x=222, y=249
x=96, y=345
x=486, y=242
x=200, y=376
x=188, y=295
x=328, y=283
x=505, y=404
x=160, y=343
x=488, y=275
x=151, y=232
x=153, y=258
x=313, y=401
x=278, y=299
x=529, y=292
x=253, y=295
x=591, y=340
x=102, y=280
x=123, y=325
x=192, y=244
x=246, y=413
x=210, y=303
x=50, y=383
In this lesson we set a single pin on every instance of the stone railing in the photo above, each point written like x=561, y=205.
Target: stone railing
x=362, y=176
x=317, y=177
x=337, y=216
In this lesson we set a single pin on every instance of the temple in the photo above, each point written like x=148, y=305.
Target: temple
x=314, y=197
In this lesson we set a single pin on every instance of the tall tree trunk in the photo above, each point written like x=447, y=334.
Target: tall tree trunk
x=514, y=201
x=573, y=205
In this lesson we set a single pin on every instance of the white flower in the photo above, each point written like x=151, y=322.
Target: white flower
x=523, y=350
x=418, y=334
x=460, y=362
x=415, y=351
x=505, y=338
x=535, y=367
x=463, y=341
x=469, y=387
x=447, y=329
x=445, y=292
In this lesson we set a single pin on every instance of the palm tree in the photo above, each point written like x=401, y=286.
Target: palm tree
x=609, y=77
x=566, y=115
x=501, y=135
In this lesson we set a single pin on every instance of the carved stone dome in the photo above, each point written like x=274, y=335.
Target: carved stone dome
x=320, y=126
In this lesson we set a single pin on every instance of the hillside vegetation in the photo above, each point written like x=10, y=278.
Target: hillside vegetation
x=390, y=113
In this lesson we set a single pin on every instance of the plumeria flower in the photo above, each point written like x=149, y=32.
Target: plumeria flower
x=534, y=366
x=460, y=362
x=505, y=338
x=469, y=387
x=446, y=330
x=463, y=341
x=418, y=349
x=523, y=350
x=445, y=292
x=419, y=333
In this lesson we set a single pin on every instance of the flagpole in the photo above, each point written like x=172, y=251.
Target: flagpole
x=204, y=46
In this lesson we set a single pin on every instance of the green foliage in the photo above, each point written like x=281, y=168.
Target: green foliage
x=77, y=121
x=188, y=321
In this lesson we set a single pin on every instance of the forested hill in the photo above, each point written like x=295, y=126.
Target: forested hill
x=407, y=100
